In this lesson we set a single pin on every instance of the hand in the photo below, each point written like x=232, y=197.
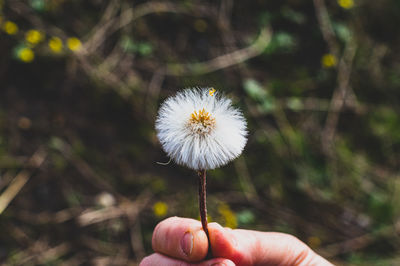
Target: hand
x=181, y=241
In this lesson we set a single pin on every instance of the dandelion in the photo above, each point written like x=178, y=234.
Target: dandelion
x=74, y=44
x=10, y=27
x=55, y=44
x=34, y=36
x=200, y=129
x=328, y=60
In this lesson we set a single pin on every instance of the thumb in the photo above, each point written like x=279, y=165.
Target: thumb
x=247, y=247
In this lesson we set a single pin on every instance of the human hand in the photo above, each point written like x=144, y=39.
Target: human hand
x=181, y=241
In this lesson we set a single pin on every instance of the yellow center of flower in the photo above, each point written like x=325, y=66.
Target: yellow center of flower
x=201, y=122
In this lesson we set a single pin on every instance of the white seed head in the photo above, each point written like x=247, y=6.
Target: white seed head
x=199, y=128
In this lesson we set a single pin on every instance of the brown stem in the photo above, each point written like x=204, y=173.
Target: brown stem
x=203, y=206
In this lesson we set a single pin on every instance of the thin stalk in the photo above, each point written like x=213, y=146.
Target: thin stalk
x=203, y=205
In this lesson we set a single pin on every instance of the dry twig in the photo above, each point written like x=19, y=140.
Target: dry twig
x=357, y=243
x=126, y=208
x=20, y=180
x=339, y=97
x=343, y=90
x=222, y=61
x=326, y=26
x=131, y=14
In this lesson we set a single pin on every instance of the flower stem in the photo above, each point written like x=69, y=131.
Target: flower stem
x=203, y=206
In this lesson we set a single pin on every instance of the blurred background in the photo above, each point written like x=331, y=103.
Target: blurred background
x=80, y=85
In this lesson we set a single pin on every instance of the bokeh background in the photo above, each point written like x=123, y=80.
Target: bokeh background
x=80, y=84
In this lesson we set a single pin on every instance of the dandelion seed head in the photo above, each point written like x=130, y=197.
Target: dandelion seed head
x=201, y=130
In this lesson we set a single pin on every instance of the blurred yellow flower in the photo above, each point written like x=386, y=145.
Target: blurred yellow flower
x=314, y=242
x=158, y=185
x=74, y=44
x=210, y=219
x=228, y=215
x=160, y=208
x=55, y=44
x=328, y=60
x=34, y=36
x=346, y=4
x=10, y=27
x=200, y=25
x=26, y=55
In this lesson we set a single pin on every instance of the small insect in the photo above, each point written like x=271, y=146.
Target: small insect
x=211, y=92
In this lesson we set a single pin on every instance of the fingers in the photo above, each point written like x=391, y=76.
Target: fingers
x=227, y=243
x=184, y=240
x=161, y=260
x=180, y=238
x=246, y=247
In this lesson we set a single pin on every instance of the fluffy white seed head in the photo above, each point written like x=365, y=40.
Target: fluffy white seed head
x=199, y=128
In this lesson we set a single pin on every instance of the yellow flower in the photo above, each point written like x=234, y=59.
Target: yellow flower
x=328, y=60
x=34, y=36
x=55, y=44
x=10, y=27
x=160, y=208
x=314, y=242
x=74, y=44
x=228, y=215
x=158, y=185
x=346, y=4
x=26, y=55
x=211, y=92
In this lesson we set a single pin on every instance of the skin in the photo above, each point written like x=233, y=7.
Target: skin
x=181, y=241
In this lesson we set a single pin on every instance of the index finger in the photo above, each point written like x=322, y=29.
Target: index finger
x=180, y=238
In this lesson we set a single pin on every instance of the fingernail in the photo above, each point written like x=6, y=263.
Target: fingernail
x=187, y=243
